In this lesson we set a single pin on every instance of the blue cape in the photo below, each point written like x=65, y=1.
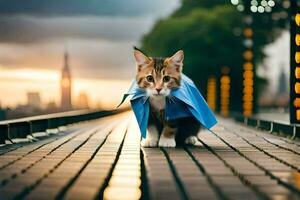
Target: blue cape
x=184, y=101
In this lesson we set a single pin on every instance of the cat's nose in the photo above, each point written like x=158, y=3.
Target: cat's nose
x=158, y=90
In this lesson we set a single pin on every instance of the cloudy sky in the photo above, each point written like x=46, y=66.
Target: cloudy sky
x=99, y=35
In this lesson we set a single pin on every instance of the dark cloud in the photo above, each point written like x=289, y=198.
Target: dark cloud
x=42, y=20
x=16, y=29
x=82, y=7
x=100, y=33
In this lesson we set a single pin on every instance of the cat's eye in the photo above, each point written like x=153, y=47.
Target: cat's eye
x=166, y=79
x=150, y=78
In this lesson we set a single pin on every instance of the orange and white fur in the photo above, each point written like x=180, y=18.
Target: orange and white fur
x=158, y=76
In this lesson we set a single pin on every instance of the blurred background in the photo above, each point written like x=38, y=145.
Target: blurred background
x=62, y=55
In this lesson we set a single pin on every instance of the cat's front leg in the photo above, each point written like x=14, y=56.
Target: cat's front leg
x=151, y=139
x=167, y=138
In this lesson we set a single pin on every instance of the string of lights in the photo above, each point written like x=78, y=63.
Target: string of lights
x=248, y=74
x=295, y=62
x=250, y=8
x=212, y=92
x=255, y=6
x=225, y=91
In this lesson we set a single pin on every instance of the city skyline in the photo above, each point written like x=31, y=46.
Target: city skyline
x=95, y=88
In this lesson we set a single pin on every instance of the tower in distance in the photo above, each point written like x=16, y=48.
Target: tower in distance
x=66, y=103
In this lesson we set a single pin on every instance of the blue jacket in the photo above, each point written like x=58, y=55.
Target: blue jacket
x=184, y=101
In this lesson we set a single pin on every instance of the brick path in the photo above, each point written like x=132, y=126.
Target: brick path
x=103, y=159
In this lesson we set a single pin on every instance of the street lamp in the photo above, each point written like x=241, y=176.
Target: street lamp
x=261, y=6
x=225, y=91
x=212, y=92
x=248, y=67
x=295, y=62
x=249, y=7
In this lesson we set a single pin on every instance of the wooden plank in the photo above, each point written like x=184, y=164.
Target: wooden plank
x=196, y=184
x=31, y=176
x=94, y=177
x=59, y=179
x=213, y=159
x=271, y=167
x=125, y=181
x=161, y=182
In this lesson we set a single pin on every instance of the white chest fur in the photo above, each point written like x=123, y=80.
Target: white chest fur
x=158, y=103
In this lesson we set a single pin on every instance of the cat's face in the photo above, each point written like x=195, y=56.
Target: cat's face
x=158, y=76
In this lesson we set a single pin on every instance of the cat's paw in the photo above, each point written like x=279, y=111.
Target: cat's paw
x=166, y=142
x=191, y=140
x=149, y=142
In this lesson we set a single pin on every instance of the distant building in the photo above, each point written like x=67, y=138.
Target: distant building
x=2, y=113
x=282, y=83
x=83, y=101
x=66, y=84
x=99, y=105
x=51, y=107
x=33, y=99
x=282, y=96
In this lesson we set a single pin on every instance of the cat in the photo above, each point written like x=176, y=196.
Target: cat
x=158, y=76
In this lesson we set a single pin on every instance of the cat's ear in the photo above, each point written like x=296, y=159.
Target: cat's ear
x=176, y=60
x=140, y=58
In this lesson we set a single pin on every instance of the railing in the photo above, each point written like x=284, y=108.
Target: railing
x=272, y=126
x=21, y=128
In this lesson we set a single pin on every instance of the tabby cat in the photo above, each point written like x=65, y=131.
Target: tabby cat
x=158, y=76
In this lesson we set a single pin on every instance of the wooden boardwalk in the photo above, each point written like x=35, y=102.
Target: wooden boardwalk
x=103, y=159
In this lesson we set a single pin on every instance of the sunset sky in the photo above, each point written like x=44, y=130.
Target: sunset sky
x=99, y=35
